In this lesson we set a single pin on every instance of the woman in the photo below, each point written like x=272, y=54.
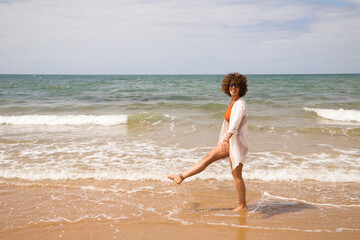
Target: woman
x=233, y=141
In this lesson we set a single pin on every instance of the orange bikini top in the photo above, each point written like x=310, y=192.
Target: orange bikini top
x=228, y=112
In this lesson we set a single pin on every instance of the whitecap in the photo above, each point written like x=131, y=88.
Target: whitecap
x=336, y=114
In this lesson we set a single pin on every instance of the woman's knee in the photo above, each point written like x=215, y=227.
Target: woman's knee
x=237, y=172
x=213, y=156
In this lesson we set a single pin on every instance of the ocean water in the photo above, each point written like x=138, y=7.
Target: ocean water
x=138, y=127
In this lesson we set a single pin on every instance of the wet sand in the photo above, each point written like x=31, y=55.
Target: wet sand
x=199, y=209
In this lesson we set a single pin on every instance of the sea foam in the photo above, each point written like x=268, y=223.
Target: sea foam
x=74, y=120
x=336, y=114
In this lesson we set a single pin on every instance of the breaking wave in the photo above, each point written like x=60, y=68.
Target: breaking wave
x=336, y=114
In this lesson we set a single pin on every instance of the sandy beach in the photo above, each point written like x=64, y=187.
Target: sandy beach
x=194, y=210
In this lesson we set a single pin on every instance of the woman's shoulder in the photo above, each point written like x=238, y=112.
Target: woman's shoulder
x=240, y=102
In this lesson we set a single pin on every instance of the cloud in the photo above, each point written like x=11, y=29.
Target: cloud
x=161, y=36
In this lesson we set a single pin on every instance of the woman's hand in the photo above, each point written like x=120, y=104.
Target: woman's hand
x=224, y=147
x=225, y=143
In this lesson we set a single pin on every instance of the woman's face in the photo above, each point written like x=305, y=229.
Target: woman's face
x=234, y=89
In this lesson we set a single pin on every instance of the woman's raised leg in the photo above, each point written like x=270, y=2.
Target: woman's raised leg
x=214, y=155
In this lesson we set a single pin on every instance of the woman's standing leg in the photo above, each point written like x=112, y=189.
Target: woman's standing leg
x=240, y=188
x=214, y=155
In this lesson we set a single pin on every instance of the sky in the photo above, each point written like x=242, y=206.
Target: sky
x=179, y=36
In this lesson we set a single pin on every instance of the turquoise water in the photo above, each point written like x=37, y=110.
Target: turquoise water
x=95, y=126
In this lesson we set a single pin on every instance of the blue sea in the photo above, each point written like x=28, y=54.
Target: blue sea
x=95, y=149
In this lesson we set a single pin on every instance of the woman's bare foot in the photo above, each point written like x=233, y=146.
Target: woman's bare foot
x=175, y=178
x=240, y=208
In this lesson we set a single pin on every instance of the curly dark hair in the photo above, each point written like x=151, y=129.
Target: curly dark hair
x=235, y=78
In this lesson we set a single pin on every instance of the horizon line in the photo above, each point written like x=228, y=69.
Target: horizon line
x=114, y=74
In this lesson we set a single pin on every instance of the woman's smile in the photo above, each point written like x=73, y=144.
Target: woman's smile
x=234, y=90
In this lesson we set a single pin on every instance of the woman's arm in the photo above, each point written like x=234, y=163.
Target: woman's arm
x=237, y=114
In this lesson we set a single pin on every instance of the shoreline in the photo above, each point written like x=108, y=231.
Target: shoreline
x=79, y=209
